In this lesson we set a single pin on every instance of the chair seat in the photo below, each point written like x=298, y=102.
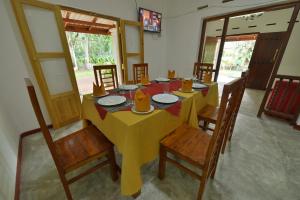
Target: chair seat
x=188, y=143
x=209, y=114
x=81, y=147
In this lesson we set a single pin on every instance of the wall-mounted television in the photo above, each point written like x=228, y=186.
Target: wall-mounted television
x=151, y=20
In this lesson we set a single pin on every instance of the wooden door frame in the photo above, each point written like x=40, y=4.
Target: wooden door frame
x=271, y=7
x=126, y=54
x=112, y=18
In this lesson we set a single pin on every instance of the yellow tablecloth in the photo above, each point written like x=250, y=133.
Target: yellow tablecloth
x=137, y=136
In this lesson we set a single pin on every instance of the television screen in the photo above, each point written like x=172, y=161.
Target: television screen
x=151, y=20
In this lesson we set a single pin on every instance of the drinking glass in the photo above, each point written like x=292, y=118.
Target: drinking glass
x=195, y=78
x=166, y=88
x=131, y=96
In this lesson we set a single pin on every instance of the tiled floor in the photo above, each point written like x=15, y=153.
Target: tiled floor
x=261, y=163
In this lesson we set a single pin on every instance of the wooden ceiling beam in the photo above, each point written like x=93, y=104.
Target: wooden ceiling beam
x=67, y=17
x=94, y=24
x=80, y=29
x=94, y=21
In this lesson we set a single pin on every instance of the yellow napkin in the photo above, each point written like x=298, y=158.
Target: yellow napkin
x=171, y=74
x=98, y=90
x=141, y=101
x=145, y=80
x=207, y=77
x=187, y=85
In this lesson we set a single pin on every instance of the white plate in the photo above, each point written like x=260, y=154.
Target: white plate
x=142, y=113
x=180, y=90
x=128, y=87
x=111, y=100
x=199, y=86
x=162, y=79
x=106, y=93
x=165, y=98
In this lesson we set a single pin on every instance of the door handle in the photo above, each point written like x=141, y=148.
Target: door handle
x=275, y=56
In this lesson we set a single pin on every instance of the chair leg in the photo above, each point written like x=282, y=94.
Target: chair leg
x=113, y=165
x=66, y=186
x=224, y=142
x=201, y=188
x=212, y=176
x=162, y=163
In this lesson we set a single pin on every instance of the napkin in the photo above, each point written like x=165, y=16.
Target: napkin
x=98, y=90
x=171, y=74
x=145, y=80
x=187, y=85
x=141, y=101
x=207, y=77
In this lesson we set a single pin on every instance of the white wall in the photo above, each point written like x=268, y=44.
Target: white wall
x=290, y=64
x=184, y=25
x=8, y=155
x=15, y=64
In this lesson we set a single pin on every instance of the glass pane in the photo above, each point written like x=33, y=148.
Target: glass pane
x=212, y=39
x=43, y=27
x=56, y=75
x=132, y=39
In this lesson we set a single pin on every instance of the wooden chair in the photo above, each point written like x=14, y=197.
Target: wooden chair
x=209, y=114
x=284, y=100
x=76, y=149
x=196, y=146
x=139, y=70
x=108, y=76
x=200, y=69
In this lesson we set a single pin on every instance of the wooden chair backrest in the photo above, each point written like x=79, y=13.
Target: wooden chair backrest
x=229, y=101
x=284, y=100
x=107, y=75
x=239, y=101
x=139, y=70
x=42, y=123
x=200, y=69
x=245, y=75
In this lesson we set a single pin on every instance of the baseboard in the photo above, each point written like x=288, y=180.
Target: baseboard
x=18, y=172
x=34, y=131
x=19, y=159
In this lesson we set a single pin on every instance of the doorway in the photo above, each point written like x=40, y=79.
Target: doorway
x=228, y=56
x=236, y=57
x=92, y=40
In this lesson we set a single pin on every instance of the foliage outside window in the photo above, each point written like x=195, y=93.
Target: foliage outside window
x=237, y=55
x=90, y=49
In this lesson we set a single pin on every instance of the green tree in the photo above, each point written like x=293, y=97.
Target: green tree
x=90, y=49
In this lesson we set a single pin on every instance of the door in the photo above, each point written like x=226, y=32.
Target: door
x=43, y=34
x=132, y=40
x=263, y=59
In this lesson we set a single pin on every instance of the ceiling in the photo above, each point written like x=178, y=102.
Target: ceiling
x=82, y=23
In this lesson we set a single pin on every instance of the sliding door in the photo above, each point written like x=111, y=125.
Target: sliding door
x=132, y=37
x=43, y=34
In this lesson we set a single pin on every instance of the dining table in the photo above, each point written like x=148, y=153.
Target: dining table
x=137, y=136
